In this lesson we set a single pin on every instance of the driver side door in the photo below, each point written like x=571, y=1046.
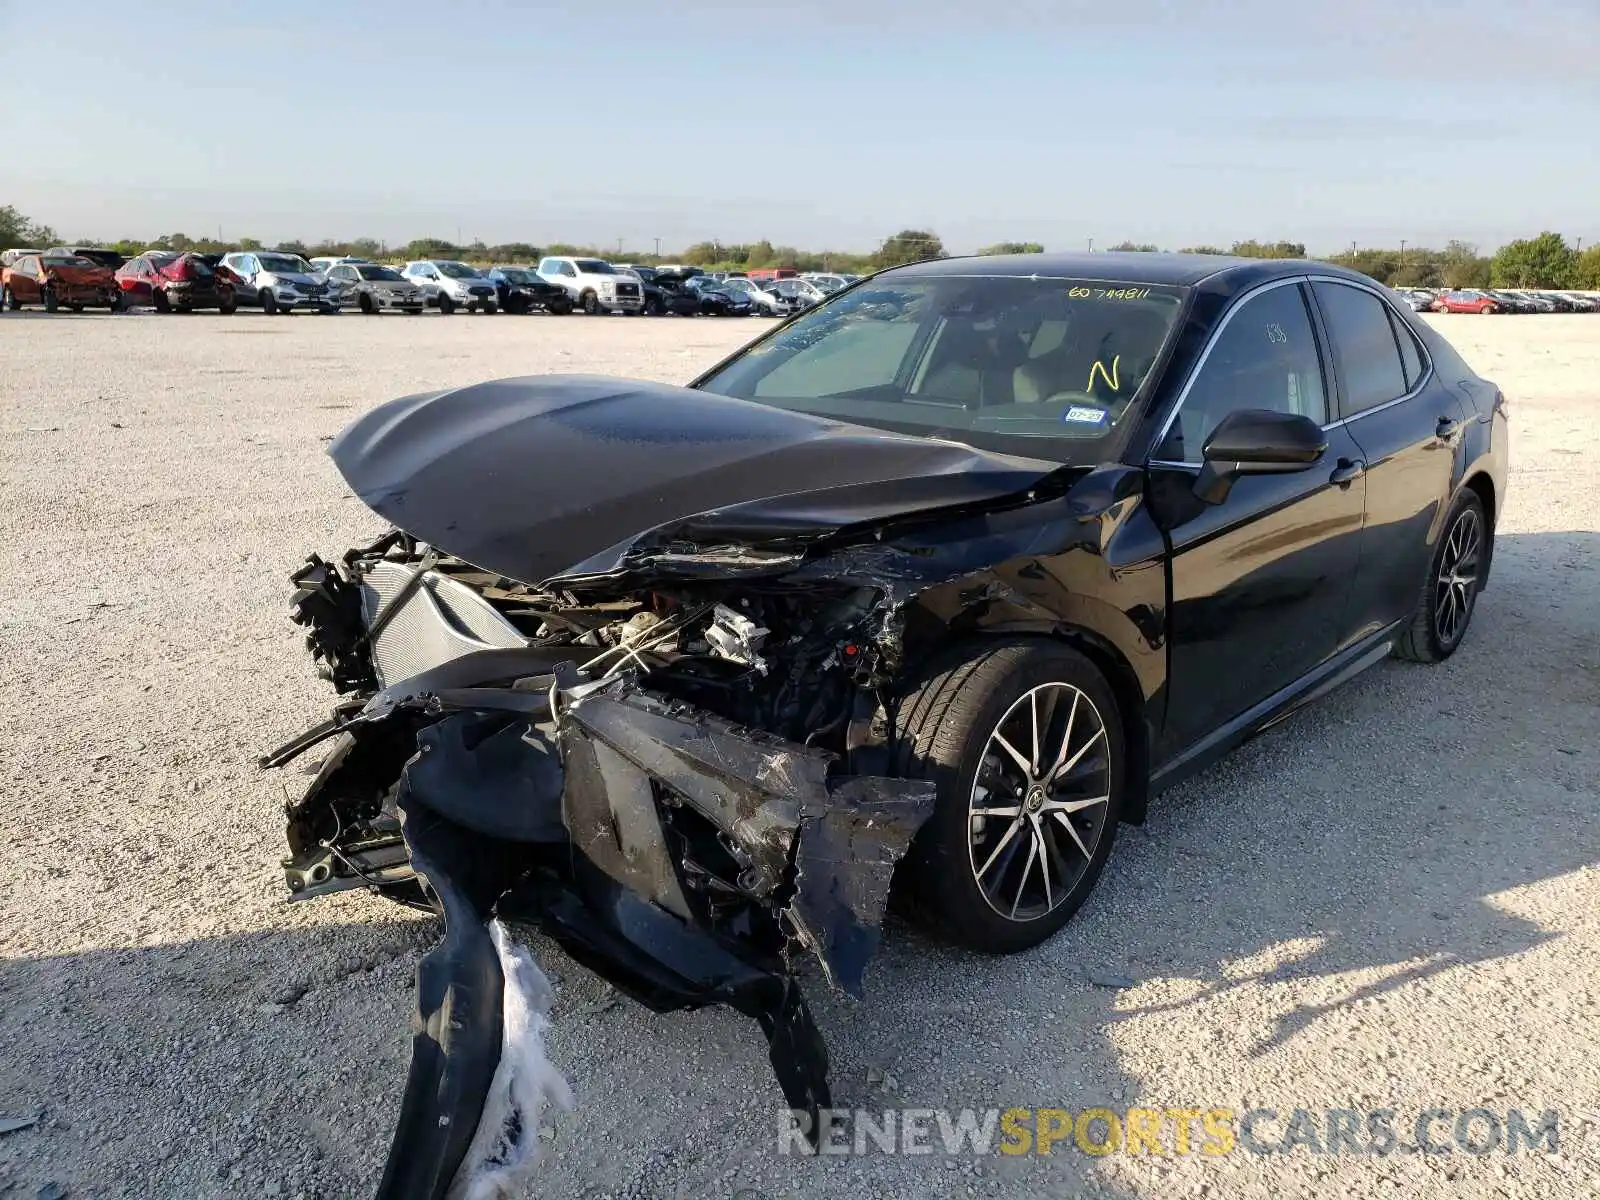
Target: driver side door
x=1261, y=582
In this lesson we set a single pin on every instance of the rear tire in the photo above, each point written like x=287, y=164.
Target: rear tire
x=47, y=296
x=993, y=820
x=490, y=309
x=1450, y=592
x=227, y=310
x=8, y=299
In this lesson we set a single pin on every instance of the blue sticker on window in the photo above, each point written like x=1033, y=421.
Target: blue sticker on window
x=1082, y=414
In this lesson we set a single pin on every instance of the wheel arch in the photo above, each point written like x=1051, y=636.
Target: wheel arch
x=1113, y=666
x=1481, y=485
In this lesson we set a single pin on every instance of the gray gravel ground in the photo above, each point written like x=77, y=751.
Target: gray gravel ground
x=1390, y=901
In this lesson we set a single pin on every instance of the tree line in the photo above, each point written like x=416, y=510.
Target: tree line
x=1545, y=261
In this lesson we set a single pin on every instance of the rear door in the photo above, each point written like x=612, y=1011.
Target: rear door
x=1410, y=426
x=1261, y=582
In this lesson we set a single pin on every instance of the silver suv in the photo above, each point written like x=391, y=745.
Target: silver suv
x=448, y=285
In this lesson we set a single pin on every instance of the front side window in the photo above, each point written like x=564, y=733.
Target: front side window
x=1042, y=367
x=1364, y=347
x=1265, y=356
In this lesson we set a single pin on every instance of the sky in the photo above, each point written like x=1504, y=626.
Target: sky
x=822, y=124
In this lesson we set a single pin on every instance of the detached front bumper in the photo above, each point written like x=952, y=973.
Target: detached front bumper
x=680, y=857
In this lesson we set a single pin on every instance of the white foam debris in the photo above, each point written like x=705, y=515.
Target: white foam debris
x=505, y=1149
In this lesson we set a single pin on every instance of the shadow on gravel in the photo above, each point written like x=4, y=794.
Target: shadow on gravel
x=1368, y=836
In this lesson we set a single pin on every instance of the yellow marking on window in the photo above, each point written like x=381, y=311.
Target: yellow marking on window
x=1111, y=377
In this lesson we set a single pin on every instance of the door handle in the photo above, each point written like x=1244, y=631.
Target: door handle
x=1347, y=472
x=1446, y=429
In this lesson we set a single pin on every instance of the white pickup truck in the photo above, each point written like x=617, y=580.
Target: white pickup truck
x=595, y=285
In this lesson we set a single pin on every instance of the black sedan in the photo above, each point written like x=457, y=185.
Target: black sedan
x=524, y=290
x=718, y=301
x=932, y=586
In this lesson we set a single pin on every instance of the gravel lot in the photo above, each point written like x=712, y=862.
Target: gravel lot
x=1391, y=900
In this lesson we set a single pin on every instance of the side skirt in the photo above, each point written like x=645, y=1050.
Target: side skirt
x=1339, y=669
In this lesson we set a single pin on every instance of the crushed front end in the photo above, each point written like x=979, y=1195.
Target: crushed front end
x=683, y=783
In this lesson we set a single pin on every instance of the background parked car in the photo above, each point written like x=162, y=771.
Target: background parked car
x=667, y=293
x=278, y=282
x=1512, y=303
x=52, y=280
x=7, y=257
x=800, y=293
x=595, y=285
x=1467, y=300
x=762, y=302
x=718, y=300
x=374, y=287
x=171, y=282
x=524, y=290
x=449, y=285
x=828, y=282
x=95, y=254
x=1417, y=299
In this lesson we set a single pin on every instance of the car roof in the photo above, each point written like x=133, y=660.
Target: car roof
x=1112, y=266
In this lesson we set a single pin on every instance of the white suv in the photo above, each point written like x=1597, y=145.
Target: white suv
x=449, y=285
x=595, y=285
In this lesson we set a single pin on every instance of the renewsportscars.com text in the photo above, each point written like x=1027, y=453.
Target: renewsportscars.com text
x=1211, y=1132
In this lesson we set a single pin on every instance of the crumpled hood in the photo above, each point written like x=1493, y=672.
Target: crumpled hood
x=531, y=477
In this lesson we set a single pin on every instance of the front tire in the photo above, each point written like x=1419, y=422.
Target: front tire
x=366, y=305
x=269, y=303
x=446, y=305
x=591, y=304
x=48, y=296
x=8, y=300
x=490, y=309
x=1450, y=592
x=158, y=300
x=1024, y=741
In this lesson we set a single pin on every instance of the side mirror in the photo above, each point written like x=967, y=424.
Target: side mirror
x=1257, y=441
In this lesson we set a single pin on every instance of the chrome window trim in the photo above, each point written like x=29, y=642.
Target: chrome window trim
x=1244, y=298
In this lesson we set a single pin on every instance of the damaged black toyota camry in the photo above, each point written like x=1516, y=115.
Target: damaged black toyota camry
x=917, y=598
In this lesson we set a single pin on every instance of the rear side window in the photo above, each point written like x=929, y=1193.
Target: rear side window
x=1410, y=352
x=1364, y=347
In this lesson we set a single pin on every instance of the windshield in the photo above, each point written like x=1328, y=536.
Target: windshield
x=65, y=260
x=380, y=274
x=456, y=270
x=1031, y=366
x=518, y=275
x=594, y=266
x=284, y=264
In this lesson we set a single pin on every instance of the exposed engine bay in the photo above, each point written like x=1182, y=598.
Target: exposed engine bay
x=683, y=786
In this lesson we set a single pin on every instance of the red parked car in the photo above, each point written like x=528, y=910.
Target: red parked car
x=52, y=280
x=171, y=282
x=1466, y=301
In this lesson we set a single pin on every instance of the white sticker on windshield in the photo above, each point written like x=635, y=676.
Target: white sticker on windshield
x=1080, y=414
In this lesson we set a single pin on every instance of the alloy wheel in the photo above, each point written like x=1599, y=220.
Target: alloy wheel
x=1456, y=586
x=1039, y=802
